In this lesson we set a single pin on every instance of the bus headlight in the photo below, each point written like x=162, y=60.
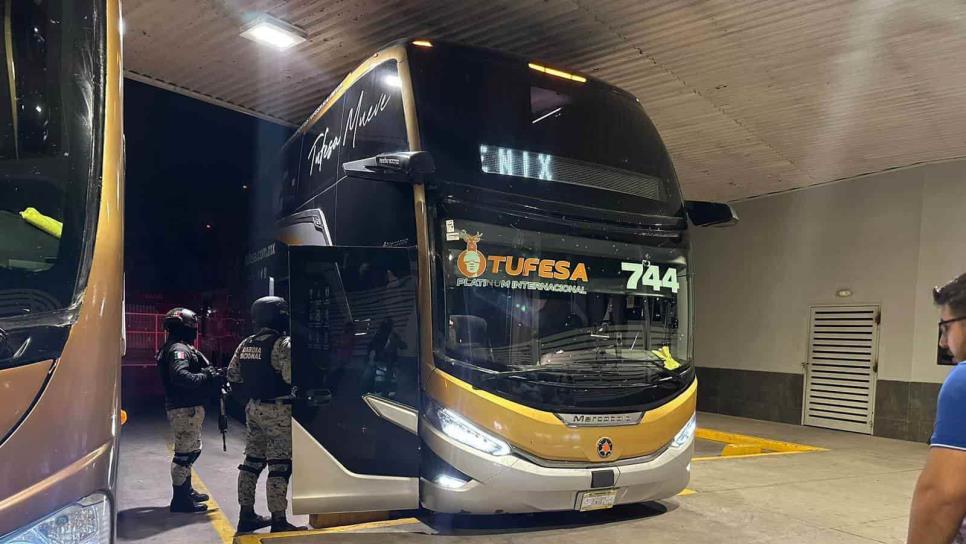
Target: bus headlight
x=88, y=521
x=459, y=429
x=686, y=433
x=449, y=482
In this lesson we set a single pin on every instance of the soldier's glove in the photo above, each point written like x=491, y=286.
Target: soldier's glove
x=214, y=374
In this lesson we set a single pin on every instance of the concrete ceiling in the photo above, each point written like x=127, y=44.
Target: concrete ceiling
x=752, y=97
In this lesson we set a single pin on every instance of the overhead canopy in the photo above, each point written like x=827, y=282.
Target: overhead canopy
x=751, y=97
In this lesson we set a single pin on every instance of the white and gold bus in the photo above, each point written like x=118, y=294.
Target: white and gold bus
x=487, y=263
x=61, y=265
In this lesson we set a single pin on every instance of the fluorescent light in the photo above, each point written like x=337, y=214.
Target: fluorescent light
x=423, y=43
x=544, y=116
x=274, y=32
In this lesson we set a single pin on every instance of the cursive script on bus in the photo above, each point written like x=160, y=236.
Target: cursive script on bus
x=360, y=115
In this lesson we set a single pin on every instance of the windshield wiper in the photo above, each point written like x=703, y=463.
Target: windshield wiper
x=568, y=369
x=523, y=372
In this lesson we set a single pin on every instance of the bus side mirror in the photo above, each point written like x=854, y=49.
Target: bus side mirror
x=406, y=167
x=707, y=214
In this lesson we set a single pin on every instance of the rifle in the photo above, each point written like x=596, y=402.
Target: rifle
x=224, y=389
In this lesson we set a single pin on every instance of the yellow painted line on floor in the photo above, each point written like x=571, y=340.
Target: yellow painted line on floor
x=777, y=446
x=740, y=450
x=217, y=518
x=257, y=538
x=770, y=454
x=687, y=491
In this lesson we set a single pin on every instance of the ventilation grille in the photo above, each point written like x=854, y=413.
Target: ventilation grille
x=840, y=382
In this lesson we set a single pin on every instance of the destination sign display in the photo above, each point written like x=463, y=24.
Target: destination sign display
x=505, y=161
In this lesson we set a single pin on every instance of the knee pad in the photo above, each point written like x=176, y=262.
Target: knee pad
x=254, y=465
x=280, y=468
x=183, y=459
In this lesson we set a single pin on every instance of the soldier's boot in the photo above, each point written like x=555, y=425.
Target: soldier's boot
x=181, y=501
x=249, y=521
x=195, y=495
x=280, y=524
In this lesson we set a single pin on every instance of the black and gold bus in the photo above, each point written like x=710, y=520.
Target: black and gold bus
x=487, y=262
x=61, y=266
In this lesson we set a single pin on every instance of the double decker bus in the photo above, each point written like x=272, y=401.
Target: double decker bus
x=486, y=259
x=61, y=266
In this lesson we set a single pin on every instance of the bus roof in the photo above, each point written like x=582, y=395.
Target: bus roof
x=398, y=49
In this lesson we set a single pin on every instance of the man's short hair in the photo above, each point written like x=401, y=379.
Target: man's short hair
x=953, y=294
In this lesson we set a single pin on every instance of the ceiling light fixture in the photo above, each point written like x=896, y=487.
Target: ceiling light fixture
x=274, y=32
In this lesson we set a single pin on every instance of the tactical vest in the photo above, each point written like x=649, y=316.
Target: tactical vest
x=176, y=396
x=261, y=380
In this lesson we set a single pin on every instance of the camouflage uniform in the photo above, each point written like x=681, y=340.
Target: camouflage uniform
x=269, y=433
x=187, y=378
x=186, y=426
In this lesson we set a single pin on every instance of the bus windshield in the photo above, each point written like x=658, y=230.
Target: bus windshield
x=524, y=301
x=47, y=138
x=487, y=119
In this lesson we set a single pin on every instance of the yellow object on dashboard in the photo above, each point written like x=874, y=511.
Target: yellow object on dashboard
x=665, y=354
x=49, y=225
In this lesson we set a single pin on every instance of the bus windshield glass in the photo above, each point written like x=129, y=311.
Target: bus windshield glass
x=48, y=88
x=488, y=119
x=519, y=301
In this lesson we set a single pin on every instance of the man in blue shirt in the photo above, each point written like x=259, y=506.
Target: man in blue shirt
x=939, y=502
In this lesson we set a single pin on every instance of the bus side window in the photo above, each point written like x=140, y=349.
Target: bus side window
x=289, y=176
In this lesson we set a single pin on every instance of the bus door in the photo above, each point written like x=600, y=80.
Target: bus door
x=355, y=372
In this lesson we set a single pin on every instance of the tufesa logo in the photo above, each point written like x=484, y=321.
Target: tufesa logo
x=472, y=264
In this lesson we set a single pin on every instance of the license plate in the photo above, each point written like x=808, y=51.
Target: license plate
x=597, y=500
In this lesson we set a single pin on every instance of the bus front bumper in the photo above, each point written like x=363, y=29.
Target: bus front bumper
x=512, y=484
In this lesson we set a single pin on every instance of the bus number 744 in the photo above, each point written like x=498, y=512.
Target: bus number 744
x=650, y=276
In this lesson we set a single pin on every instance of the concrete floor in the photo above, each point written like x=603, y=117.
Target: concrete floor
x=707, y=448
x=144, y=483
x=857, y=492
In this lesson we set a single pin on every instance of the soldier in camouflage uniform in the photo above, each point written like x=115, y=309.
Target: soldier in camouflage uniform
x=262, y=368
x=189, y=381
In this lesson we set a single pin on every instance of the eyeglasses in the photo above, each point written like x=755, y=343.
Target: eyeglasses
x=944, y=324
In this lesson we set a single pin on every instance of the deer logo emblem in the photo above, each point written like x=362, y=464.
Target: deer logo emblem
x=471, y=262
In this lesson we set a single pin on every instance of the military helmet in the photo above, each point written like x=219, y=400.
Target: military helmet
x=267, y=311
x=177, y=318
